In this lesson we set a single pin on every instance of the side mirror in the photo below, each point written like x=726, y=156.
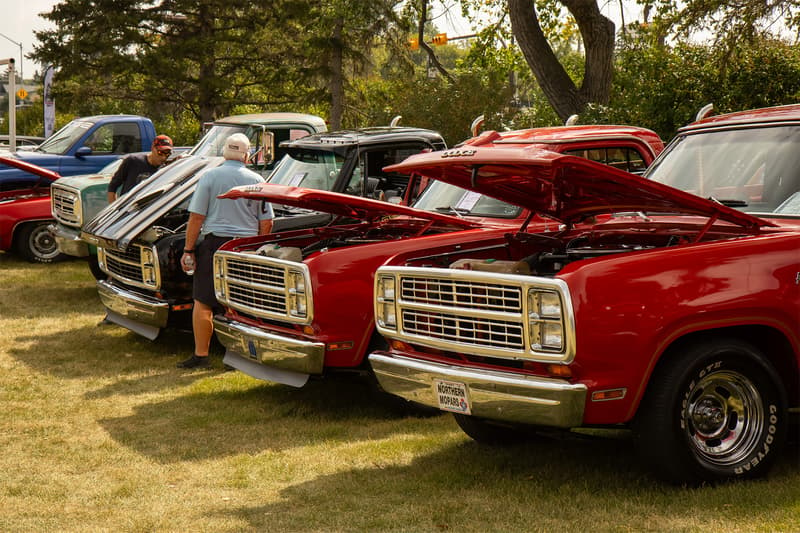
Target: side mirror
x=267, y=142
x=83, y=151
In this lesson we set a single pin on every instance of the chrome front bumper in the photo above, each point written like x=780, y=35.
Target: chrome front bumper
x=494, y=395
x=269, y=349
x=139, y=313
x=69, y=241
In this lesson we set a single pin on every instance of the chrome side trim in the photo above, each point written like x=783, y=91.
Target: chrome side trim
x=269, y=349
x=495, y=395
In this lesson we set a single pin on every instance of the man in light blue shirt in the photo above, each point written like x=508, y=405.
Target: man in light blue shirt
x=218, y=221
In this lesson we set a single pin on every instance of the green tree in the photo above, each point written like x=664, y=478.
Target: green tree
x=198, y=56
x=342, y=36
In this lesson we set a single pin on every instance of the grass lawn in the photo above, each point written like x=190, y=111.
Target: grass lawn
x=100, y=432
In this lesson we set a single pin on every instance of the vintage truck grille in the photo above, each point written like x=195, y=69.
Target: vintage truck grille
x=259, y=287
x=263, y=287
x=460, y=294
x=492, y=314
x=65, y=204
x=136, y=265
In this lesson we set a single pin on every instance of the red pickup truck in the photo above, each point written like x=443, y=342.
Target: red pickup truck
x=677, y=317
x=299, y=304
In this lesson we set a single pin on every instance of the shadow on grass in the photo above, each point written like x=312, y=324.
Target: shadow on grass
x=542, y=485
x=241, y=415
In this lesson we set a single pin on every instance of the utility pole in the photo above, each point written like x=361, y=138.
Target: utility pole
x=12, y=103
x=21, y=76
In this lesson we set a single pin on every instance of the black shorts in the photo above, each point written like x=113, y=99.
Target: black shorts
x=203, y=284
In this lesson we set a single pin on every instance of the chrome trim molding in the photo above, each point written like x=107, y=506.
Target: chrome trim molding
x=494, y=395
x=136, y=307
x=270, y=349
x=69, y=241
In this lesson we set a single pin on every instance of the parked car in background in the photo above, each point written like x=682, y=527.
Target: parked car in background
x=23, y=142
x=677, y=317
x=76, y=200
x=299, y=304
x=83, y=146
x=25, y=214
x=141, y=237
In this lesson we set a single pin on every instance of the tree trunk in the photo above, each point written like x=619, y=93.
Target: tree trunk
x=337, y=77
x=598, y=36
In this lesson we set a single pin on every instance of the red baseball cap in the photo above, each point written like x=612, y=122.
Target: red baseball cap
x=162, y=141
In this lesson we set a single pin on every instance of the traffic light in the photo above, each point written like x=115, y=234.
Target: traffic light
x=413, y=43
x=440, y=39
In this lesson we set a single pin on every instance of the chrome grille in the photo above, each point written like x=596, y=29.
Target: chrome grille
x=458, y=328
x=461, y=294
x=262, y=286
x=488, y=314
x=65, y=204
x=125, y=265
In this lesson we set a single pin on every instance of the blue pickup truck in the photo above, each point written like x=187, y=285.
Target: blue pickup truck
x=84, y=146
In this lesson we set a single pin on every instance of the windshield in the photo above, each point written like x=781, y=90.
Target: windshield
x=313, y=169
x=445, y=198
x=212, y=142
x=60, y=141
x=752, y=170
x=110, y=168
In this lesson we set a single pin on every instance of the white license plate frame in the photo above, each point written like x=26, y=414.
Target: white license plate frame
x=452, y=396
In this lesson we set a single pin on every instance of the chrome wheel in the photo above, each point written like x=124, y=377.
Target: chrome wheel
x=724, y=417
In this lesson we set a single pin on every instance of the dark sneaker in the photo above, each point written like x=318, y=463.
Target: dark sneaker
x=195, y=362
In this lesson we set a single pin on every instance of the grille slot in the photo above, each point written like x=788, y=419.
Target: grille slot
x=66, y=205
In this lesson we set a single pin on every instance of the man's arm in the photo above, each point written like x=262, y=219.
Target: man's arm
x=193, y=230
x=117, y=179
x=192, y=233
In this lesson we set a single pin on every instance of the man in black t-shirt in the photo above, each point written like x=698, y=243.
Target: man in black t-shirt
x=138, y=167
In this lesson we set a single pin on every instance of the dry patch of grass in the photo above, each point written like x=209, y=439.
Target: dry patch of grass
x=100, y=432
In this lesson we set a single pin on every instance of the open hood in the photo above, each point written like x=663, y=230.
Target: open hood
x=562, y=187
x=45, y=174
x=130, y=215
x=340, y=204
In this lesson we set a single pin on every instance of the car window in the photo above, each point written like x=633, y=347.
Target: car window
x=623, y=158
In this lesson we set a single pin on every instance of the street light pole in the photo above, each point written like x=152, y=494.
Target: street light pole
x=12, y=104
x=21, y=75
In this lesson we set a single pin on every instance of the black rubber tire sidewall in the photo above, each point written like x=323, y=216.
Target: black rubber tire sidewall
x=661, y=439
x=26, y=249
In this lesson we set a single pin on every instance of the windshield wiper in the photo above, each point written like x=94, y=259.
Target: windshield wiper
x=729, y=202
x=458, y=211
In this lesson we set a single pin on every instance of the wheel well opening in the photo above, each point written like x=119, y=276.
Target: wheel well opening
x=771, y=342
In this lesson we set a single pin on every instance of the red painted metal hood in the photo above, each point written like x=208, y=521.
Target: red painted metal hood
x=45, y=173
x=340, y=204
x=563, y=187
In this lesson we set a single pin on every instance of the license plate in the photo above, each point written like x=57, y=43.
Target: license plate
x=452, y=396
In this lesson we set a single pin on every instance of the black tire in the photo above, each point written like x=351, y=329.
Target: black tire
x=36, y=244
x=494, y=433
x=94, y=268
x=715, y=412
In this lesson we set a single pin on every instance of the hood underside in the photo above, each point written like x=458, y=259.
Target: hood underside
x=562, y=187
x=343, y=205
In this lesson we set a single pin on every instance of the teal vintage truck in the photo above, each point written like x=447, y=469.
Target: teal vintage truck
x=77, y=199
